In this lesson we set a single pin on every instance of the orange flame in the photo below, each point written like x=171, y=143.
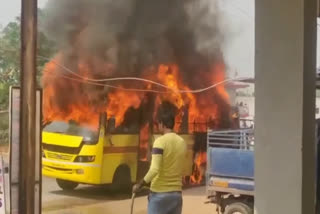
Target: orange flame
x=144, y=143
x=199, y=168
x=79, y=110
x=201, y=107
x=119, y=102
x=66, y=100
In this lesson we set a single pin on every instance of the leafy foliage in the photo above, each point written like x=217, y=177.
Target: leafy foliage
x=10, y=57
x=10, y=54
x=10, y=65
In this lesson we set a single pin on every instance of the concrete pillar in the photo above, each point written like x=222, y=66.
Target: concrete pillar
x=285, y=114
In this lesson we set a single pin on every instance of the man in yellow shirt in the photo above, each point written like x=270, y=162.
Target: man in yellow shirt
x=165, y=173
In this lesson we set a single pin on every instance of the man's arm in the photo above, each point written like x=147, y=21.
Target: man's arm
x=156, y=162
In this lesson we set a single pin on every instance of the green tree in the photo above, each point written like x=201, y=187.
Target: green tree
x=9, y=53
x=10, y=65
x=10, y=57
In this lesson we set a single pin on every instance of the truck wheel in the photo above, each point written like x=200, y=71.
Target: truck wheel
x=66, y=185
x=122, y=179
x=238, y=208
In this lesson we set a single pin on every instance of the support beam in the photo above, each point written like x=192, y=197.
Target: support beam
x=28, y=106
x=285, y=67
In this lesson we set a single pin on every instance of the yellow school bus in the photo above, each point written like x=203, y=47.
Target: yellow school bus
x=74, y=154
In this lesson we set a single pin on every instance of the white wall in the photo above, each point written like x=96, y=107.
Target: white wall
x=249, y=101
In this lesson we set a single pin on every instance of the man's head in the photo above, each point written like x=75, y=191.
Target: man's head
x=166, y=116
x=167, y=120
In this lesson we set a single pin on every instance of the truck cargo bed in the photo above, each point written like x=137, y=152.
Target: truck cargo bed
x=230, y=167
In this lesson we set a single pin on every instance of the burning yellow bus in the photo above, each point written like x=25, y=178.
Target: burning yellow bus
x=78, y=154
x=123, y=57
x=97, y=135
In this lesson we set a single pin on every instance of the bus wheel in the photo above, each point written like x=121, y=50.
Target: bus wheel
x=66, y=185
x=238, y=208
x=122, y=179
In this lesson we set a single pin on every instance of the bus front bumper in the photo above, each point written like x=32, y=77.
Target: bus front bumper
x=86, y=173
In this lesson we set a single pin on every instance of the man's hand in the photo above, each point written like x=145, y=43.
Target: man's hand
x=138, y=186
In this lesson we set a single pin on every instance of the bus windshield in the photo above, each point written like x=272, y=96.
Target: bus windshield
x=71, y=128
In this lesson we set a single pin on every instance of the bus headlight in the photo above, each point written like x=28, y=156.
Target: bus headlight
x=79, y=171
x=84, y=159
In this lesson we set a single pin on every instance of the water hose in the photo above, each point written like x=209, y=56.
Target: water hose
x=132, y=202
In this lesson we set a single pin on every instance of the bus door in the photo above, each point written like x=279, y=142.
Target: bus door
x=144, y=155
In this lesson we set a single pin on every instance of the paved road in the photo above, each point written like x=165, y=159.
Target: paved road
x=97, y=200
x=53, y=198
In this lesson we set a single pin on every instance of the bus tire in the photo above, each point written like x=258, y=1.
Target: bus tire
x=66, y=185
x=122, y=179
x=238, y=207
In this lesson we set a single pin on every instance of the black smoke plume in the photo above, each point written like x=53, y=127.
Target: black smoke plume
x=114, y=38
x=134, y=34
